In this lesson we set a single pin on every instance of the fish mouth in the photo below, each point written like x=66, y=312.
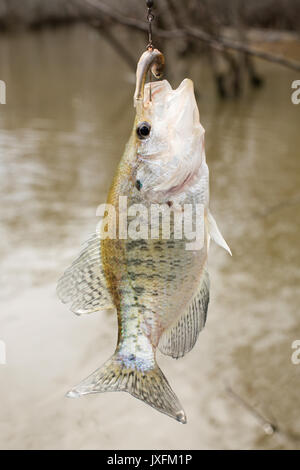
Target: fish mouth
x=178, y=106
x=161, y=89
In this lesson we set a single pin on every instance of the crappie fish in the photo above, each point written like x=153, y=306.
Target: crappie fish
x=159, y=289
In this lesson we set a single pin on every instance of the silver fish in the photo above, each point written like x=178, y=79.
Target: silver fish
x=159, y=289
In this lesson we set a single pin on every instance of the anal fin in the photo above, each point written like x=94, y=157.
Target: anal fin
x=180, y=338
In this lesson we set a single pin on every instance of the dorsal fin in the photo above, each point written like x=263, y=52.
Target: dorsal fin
x=83, y=283
x=180, y=338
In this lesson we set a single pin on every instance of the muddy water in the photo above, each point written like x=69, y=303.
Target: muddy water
x=68, y=115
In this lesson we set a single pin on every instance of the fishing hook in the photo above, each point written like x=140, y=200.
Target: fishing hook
x=152, y=59
x=150, y=47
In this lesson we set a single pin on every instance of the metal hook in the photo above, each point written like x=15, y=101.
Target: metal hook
x=151, y=59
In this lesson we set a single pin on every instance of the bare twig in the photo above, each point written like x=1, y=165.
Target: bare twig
x=219, y=42
x=223, y=43
x=117, y=45
x=268, y=427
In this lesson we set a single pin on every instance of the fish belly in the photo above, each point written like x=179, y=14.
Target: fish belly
x=162, y=278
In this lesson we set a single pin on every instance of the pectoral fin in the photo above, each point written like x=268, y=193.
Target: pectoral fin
x=180, y=338
x=215, y=233
x=83, y=283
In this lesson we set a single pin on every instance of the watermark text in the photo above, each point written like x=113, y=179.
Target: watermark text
x=295, y=97
x=157, y=221
x=2, y=92
x=295, y=358
x=2, y=352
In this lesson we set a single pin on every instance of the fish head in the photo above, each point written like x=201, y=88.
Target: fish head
x=169, y=140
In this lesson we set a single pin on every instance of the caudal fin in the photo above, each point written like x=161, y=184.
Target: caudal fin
x=150, y=386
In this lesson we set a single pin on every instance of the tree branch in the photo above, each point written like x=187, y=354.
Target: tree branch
x=219, y=42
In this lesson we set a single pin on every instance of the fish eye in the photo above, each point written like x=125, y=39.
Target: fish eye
x=138, y=185
x=143, y=130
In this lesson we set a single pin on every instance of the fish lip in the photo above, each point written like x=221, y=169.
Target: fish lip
x=186, y=83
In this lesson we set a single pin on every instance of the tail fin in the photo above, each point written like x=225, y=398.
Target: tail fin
x=150, y=386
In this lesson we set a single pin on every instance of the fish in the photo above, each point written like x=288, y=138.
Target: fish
x=158, y=288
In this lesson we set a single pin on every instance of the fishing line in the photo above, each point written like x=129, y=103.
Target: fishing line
x=150, y=18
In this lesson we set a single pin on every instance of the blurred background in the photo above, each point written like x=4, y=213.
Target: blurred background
x=69, y=73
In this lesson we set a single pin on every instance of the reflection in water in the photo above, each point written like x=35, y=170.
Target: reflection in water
x=62, y=132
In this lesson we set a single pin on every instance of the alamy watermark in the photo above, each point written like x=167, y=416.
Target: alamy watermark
x=2, y=343
x=295, y=357
x=2, y=92
x=159, y=221
x=2, y=352
x=295, y=97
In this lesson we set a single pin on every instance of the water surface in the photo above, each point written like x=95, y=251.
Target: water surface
x=62, y=132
